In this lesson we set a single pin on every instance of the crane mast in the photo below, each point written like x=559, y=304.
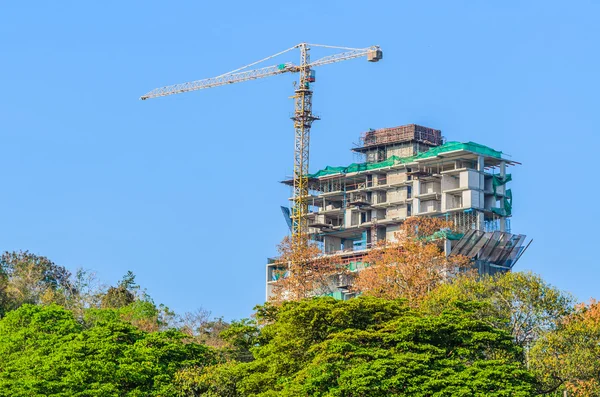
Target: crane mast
x=303, y=116
x=303, y=119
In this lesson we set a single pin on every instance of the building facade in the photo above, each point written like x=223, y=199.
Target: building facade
x=411, y=171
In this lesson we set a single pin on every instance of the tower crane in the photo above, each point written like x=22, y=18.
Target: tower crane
x=303, y=116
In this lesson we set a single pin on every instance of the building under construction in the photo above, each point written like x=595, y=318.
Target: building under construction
x=412, y=171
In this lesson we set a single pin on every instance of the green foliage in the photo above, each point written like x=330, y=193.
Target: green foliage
x=570, y=354
x=368, y=347
x=44, y=351
x=241, y=337
x=121, y=295
x=28, y=278
x=520, y=303
x=465, y=338
x=201, y=327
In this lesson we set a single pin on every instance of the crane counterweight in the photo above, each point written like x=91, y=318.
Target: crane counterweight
x=374, y=55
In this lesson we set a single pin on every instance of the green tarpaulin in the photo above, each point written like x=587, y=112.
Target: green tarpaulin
x=507, y=210
x=443, y=234
x=394, y=160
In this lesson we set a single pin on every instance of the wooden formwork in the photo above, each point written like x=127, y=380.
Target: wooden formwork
x=404, y=133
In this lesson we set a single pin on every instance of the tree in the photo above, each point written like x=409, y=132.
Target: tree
x=203, y=328
x=368, y=347
x=523, y=304
x=304, y=271
x=29, y=278
x=418, y=227
x=410, y=267
x=89, y=292
x=570, y=354
x=45, y=351
x=121, y=295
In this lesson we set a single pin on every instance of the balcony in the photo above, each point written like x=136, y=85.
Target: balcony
x=359, y=200
x=429, y=208
x=330, y=210
x=429, y=196
x=456, y=190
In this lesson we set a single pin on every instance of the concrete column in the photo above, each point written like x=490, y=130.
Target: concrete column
x=502, y=174
x=416, y=207
x=480, y=164
x=481, y=169
x=447, y=247
x=415, y=192
x=480, y=221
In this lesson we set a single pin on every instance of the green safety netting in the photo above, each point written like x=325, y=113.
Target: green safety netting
x=507, y=210
x=327, y=171
x=453, y=145
x=499, y=211
x=443, y=234
x=338, y=295
x=393, y=160
x=497, y=180
x=508, y=202
x=454, y=236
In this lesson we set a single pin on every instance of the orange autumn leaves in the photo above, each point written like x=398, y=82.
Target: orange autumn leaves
x=304, y=272
x=407, y=268
x=410, y=267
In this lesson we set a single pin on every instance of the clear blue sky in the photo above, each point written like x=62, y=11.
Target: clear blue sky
x=184, y=190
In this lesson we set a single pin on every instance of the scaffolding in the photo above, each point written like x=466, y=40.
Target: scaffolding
x=404, y=133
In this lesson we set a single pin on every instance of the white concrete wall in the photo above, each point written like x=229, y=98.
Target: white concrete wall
x=396, y=195
x=429, y=205
x=470, y=179
x=351, y=219
x=450, y=182
x=332, y=243
x=472, y=199
x=475, y=180
x=450, y=201
x=390, y=232
x=396, y=212
x=466, y=199
x=430, y=187
x=396, y=177
x=406, y=151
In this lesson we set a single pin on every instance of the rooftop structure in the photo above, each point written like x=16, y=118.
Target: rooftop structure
x=410, y=171
x=402, y=141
